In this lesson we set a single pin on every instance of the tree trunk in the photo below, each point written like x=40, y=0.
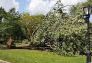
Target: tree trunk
x=9, y=42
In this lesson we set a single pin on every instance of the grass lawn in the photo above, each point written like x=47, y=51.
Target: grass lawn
x=31, y=56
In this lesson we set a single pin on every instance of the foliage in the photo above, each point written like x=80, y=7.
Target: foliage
x=62, y=32
x=9, y=25
x=30, y=24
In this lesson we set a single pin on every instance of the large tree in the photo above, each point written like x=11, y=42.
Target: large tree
x=30, y=24
x=9, y=26
x=62, y=32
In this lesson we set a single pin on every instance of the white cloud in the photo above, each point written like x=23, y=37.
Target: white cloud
x=90, y=19
x=72, y=2
x=43, y=6
x=40, y=6
x=8, y=4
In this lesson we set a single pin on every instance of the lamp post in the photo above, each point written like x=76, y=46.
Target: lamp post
x=87, y=11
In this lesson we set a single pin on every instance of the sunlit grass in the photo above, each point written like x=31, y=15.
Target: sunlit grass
x=31, y=56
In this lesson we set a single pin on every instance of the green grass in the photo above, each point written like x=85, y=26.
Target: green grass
x=31, y=56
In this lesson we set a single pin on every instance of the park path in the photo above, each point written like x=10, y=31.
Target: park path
x=1, y=61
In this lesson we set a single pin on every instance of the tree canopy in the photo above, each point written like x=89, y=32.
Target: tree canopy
x=58, y=31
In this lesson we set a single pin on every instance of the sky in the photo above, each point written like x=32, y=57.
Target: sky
x=34, y=6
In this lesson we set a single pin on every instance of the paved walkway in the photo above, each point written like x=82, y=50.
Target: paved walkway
x=1, y=61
